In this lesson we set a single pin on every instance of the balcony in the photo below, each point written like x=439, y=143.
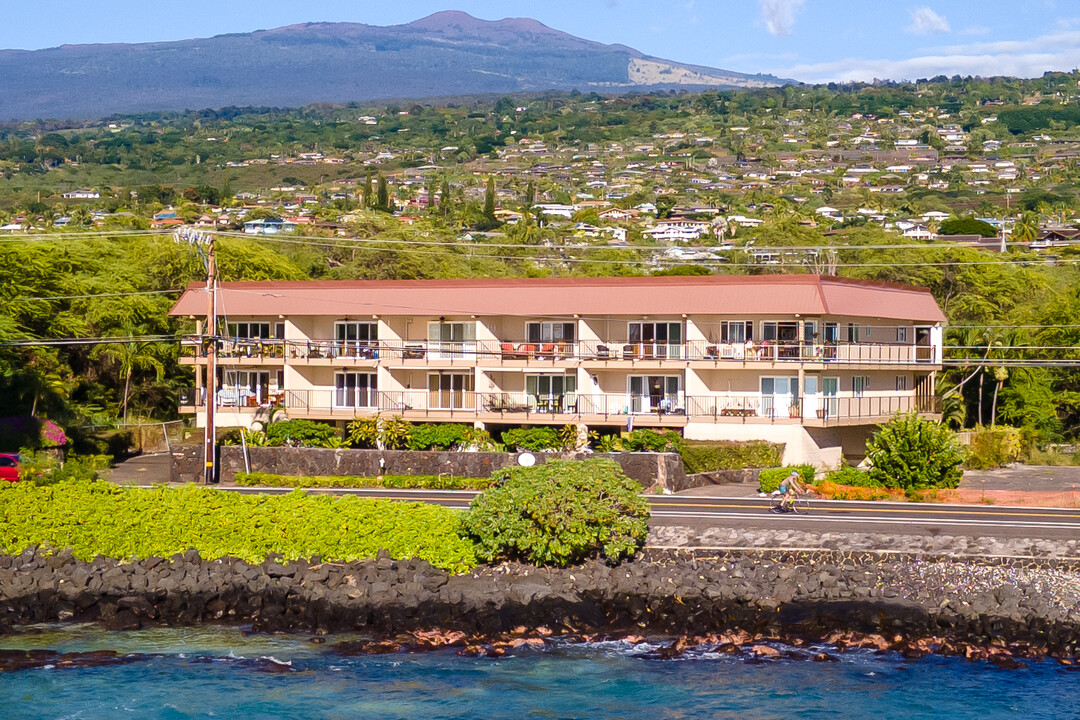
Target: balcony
x=590, y=353
x=665, y=411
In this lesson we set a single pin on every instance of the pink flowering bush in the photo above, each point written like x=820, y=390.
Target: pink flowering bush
x=52, y=435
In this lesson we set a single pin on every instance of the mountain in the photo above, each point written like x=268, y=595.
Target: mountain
x=448, y=53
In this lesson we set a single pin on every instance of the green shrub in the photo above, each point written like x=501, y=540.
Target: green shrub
x=399, y=482
x=559, y=513
x=439, y=436
x=100, y=518
x=42, y=468
x=646, y=440
x=390, y=433
x=701, y=457
x=912, y=452
x=770, y=479
x=852, y=477
x=303, y=433
x=994, y=447
x=533, y=438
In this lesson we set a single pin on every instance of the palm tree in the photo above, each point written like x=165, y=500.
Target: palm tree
x=1026, y=228
x=131, y=357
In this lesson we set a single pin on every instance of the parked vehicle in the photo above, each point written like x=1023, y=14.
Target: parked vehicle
x=9, y=467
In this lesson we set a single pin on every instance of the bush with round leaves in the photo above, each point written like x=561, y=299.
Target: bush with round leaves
x=913, y=453
x=559, y=513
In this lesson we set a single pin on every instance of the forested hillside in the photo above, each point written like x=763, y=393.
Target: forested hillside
x=859, y=181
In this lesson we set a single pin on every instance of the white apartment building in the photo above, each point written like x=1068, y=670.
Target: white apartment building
x=812, y=361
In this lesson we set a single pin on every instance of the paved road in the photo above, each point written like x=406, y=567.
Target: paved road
x=825, y=516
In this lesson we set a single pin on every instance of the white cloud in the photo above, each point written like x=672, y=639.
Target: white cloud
x=975, y=30
x=779, y=15
x=925, y=21
x=1017, y=58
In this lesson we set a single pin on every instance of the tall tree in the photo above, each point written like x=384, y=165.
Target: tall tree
x=382, y=195
x=489, y=200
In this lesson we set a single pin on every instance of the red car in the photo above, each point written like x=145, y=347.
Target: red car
x=9, y=467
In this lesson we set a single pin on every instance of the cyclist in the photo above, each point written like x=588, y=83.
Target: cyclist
x=790, y=489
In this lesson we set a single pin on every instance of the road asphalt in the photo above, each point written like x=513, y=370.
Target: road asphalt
x=740, y=506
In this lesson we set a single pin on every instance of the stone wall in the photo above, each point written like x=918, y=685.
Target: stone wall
x=647, y=469
x=813, y=595
x=187, y=464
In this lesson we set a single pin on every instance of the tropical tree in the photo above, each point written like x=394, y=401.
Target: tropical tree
x=129, y=358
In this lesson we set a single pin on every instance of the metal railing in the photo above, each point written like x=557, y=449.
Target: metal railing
x=584, y=351
x=721, y=407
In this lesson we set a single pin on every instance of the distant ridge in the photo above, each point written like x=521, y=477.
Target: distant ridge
x=448, y=53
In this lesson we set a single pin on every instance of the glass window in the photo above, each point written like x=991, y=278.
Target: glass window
x=249, y=331
x=540, y=332
x=901, y=334
x=859, y=385
x=355, y=390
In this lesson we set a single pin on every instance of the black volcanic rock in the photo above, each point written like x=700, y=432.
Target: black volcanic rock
x=449, y=53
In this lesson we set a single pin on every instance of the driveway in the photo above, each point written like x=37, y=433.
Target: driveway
x=149, y=469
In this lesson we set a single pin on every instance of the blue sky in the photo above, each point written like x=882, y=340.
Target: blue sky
x=809, y=40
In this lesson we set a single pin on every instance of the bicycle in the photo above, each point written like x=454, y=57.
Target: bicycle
x=800, y=506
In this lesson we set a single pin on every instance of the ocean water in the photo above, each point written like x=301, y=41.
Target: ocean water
x=220, y=673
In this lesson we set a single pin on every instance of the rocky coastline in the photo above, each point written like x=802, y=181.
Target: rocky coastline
x=733, y=601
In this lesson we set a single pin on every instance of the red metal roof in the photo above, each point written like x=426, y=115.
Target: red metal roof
x=783, y=295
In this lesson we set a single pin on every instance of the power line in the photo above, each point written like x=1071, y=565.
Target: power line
x=95, y=295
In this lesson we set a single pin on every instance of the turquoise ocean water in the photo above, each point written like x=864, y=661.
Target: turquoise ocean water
x=220, y=673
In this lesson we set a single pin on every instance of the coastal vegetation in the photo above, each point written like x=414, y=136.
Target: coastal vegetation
x=99, y=518
x=559, y=513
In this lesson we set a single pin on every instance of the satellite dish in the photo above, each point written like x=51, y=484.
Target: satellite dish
x=526, y=459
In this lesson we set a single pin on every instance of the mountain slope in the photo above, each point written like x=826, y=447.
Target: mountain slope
x=449, y=53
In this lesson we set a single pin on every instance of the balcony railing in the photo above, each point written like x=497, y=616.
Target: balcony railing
x=721, y=407
x=584, y=351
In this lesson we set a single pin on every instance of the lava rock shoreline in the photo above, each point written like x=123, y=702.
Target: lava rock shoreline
x=736, y=600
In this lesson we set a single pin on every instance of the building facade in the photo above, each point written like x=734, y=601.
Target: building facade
x=810, y=361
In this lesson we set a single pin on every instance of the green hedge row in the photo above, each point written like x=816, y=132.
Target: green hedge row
x=99, y=518
x=726, y=455
x=396, y=482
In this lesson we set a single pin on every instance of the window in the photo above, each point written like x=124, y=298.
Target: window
x=548, y=332
x=901, y=382
x=779, y=395
x=656, y=339
x=810, y=332
x=451, y=339
x=551, y=393
x=250, y=330
x=244, y=388
x=785, y=332
x=901, y=334
x=450, y=391
x=356, y=339
x=362, y=332
x=831, y=332
x=355, y=390
x=736, y=331
x=859, y=385
x=655, y=393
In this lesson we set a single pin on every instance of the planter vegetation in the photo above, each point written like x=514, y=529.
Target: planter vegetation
x=399, y=482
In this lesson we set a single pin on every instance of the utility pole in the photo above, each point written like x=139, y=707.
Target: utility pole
x=210, y=438
x=209, y=340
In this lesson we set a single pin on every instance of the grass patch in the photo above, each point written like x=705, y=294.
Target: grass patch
x=99, y=518
x=394, y=482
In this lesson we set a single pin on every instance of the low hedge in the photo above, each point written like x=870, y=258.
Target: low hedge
x=699, y=456
x=99, y=518
x=833, y=491
x=396, y=482
x=770, y=479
